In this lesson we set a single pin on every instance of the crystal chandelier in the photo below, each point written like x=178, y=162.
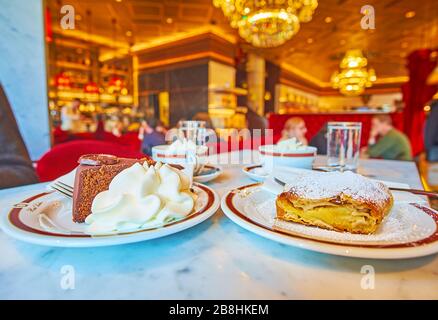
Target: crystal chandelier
x=354, y=76
x=267, y=23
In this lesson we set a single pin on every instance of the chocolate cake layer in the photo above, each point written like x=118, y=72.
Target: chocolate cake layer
x=93, y=175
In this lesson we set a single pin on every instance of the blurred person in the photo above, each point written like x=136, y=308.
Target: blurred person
x=114, y=125
x=295, y=127
x=100, y=127
x=320, y=140
x=126, y=122
x=15, y=165
x=150, y=136
x=71, y=116
x=386, y=142
x=203, y=116
x=431, y=133
x=161, y=128
x=255, y=121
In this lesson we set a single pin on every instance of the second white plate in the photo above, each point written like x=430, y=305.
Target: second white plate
x=410, y=230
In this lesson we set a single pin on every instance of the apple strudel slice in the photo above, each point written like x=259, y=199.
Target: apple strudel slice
x=340, y=201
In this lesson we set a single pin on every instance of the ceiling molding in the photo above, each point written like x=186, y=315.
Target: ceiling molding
x=91, y=38
x=184, y=37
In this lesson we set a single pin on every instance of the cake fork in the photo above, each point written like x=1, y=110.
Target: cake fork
x=62, y=188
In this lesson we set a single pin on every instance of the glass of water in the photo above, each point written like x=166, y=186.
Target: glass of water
x=343, y=145
x=194, y=131
x=193, y=136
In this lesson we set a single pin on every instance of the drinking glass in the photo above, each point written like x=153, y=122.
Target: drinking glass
x=343, y=144
x=194, y=133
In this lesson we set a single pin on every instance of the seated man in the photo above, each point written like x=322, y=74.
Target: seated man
x=15, y=165
x=386, y=142
x=320, y=140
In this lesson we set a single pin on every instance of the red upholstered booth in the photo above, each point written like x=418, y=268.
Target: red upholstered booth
x=129, y=140
x=63, y=158
x=314, y=122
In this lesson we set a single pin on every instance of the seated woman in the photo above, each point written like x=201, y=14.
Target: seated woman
x=295, y=127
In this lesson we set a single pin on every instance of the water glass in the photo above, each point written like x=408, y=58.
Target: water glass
x=343, y=144
x=194, y=131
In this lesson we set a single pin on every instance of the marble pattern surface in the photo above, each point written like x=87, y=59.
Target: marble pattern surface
x=23, y=70
x=214, y=260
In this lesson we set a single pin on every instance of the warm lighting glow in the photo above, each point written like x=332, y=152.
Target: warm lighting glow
x=426, y=108
x=310, y=40
x=129, y=33
x=115, y=83
x=91, y=87
x=267, y=24
x=328, y=19
x=433, y=77
x=169, y=20
x=410, y=14
x=353, y=77
x=62, y=81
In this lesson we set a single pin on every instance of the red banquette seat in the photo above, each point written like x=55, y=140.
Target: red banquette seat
x=314, y=122
x=63, y=158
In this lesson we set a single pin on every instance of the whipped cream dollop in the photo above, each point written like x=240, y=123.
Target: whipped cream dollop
x=181, y=146
x=141, y=196
x=290, y=145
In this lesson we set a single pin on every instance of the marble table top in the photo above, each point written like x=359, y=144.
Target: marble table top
x=214, y=260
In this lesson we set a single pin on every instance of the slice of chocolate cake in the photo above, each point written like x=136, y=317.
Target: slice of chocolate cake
x=93, y=175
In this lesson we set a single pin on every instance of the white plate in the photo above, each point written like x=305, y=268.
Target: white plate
x=22, y=222
x=409, y=231
x=202, y=178
x=255, y=172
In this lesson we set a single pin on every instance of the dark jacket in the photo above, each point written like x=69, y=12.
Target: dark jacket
x=431, y=133
x=15, y=165
x=151, y=140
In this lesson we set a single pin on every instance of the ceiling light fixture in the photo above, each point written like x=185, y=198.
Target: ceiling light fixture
x=267, y=24
x=353, y=77
x=410, y=14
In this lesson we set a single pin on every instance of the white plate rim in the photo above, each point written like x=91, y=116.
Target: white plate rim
x=209, y=177
x=53, y=240
x=356, y=251
x=247, y=170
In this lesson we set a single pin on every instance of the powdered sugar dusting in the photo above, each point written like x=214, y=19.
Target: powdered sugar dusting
x=404, y=223
x=321, y=185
